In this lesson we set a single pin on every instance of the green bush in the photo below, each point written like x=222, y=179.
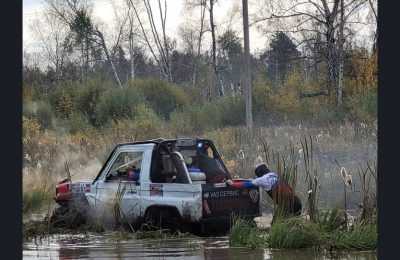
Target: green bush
x=78, y=122
x=116, y=104
x=364, y=108
x=144, y=125
x=44, y=115
x=163, y=96
x=196, y=119
x=87, y=96
x=231, y=111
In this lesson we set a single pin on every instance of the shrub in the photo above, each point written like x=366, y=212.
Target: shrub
x=44, y=115
x=231, y=111
x=196, y=119
x=262, y=99
x=163, y=97
x=87, y=97
x=116, y=104
x=65, y=104
x=37, y=144
x=145, y=125
x=365, y=107
x=78, y=122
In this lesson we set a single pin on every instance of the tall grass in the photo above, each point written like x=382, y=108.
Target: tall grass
x=301, y=233
x=311, y=177
x=362, y=236
x=369, y=199
x=245, y=233
x=286, y=168
x=294, y=233
x=37, y=193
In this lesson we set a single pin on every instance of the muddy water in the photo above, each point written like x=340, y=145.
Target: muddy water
x=106, y=247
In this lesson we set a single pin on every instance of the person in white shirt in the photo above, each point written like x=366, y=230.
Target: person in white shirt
x=269, y=181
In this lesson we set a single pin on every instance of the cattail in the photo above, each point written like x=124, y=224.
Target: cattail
x=343, y=172
x=258, y=160
x=241, y=154
x=348, y=179
x=28, y=158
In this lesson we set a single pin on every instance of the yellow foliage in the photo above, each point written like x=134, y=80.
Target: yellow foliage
x=65, y=104
x=287, y=100
x=38, y=145
x=283, y=99
x=365, y=68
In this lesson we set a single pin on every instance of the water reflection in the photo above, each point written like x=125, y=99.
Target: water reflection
x=106, y=246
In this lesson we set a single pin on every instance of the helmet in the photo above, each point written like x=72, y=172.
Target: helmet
x=261, y=169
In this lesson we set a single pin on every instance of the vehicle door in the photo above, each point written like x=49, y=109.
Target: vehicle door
x=118, y=194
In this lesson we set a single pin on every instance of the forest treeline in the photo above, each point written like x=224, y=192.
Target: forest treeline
x=89, y=76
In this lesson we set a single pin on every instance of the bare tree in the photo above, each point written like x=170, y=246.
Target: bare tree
x=188, y=34
x=131, y=41
x=373, y=5
x=77, y=15
x=53, y=40
x=214, y=48
x=158, y=43
x=313, y=20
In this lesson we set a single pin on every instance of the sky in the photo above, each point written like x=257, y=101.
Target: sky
x=103, y=10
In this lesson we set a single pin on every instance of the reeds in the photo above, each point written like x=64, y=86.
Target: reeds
x=293, y=233
x=362, y=236
x=311, y=178
x=368, y=205
x=245, y=233
x=286, y=169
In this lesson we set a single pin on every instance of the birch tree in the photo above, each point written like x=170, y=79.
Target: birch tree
x=157, y=42
x=312, y=20
x=210, y=6
x=77, y=15
x=189, y=34
x=53, y=39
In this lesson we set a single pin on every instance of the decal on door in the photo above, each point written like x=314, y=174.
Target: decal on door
x=156, y=190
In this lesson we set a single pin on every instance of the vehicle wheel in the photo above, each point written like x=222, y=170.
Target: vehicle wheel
x=68, y=217
x=152, y=219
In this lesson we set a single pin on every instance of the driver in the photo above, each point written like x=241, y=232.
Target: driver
x=134, y=173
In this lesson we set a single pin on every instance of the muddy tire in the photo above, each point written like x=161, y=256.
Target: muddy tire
x=163, y=218
x=67, y=217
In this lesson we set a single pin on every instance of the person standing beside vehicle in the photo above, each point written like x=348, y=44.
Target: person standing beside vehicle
x=280, y=193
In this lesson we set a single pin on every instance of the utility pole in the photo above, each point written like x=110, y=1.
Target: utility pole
x=247, y=77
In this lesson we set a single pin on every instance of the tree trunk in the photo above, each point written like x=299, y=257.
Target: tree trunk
x=217, y=72
x=131, y=51
x=103, y=44
x=341, y=57
x=196, y=62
